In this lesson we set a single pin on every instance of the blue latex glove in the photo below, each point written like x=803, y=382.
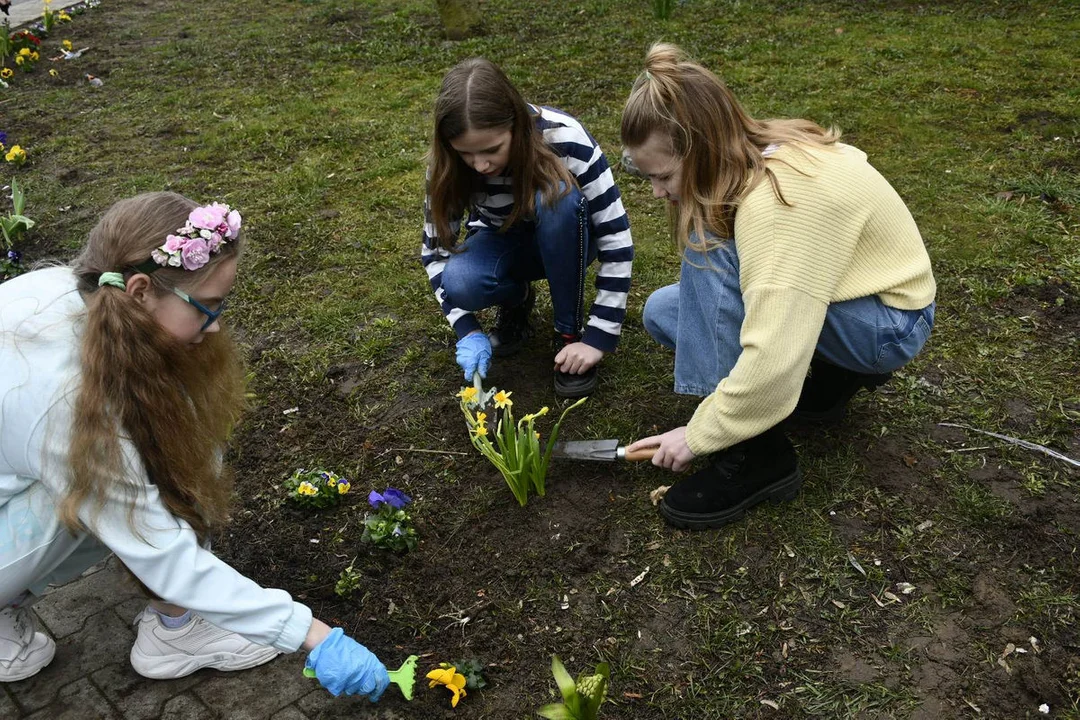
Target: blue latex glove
x=474, y=355
x=343, y=665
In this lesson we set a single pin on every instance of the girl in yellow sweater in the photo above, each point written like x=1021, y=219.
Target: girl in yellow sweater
x=797, y=254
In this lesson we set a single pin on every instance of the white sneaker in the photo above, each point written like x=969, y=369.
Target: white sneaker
x=23, y=652
x=162, y=653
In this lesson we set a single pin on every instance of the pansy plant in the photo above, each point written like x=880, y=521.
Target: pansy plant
x=389, y=525
x=514, y=448
x=316, y=488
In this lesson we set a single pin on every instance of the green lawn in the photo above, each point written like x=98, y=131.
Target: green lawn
x=312, y=117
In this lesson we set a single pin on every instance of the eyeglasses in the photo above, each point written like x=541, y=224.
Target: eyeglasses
x=211, y=315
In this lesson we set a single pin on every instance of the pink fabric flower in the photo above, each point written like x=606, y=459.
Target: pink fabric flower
x=174, y=243
x=195, y=254
x=234, y=224
x=207, y=217
x=214, y=242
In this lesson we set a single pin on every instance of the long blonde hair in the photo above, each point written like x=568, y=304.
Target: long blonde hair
x=175, y=403
x=477, y=95
x=719, y=144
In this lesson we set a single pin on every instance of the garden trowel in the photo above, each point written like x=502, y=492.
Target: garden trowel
x=404, y=677
x=604, y=450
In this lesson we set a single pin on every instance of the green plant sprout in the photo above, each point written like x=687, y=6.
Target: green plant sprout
x=581, y=699
x=515, y=451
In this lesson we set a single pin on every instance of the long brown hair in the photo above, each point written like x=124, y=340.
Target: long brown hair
x=719, y=144
x=175, y=403
x=477, y=95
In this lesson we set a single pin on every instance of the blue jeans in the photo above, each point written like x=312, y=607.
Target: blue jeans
x=700, y=318
x=494, y=268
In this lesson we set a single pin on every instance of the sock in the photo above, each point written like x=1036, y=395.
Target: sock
x=172, y=622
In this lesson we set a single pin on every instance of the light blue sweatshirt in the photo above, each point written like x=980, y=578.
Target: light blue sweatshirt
x=41, y=316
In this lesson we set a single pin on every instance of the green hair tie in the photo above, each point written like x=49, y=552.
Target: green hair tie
x=112, y=278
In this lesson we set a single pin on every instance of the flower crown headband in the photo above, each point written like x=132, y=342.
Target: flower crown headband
x=207, y=229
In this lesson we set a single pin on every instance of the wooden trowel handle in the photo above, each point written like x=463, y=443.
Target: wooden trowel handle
x=640, y=454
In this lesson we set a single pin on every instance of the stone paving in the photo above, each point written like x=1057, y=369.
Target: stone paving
x=22, y=12
x=90, y=678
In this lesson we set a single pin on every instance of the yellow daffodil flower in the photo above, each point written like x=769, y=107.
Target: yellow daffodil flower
x=480, y=430
x=63, y=17
x=451, y=679
x=532, y=416
x=67, y=45
x=6, y=73
x=481, y=418
x=468, y=394
x=537, y=435
x=502, y=399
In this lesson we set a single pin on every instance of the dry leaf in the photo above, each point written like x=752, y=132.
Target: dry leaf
x=658, y=494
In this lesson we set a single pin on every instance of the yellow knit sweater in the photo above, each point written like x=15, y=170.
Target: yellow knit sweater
x=847, y=234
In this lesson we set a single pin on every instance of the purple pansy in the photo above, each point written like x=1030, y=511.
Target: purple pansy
x=391, y=496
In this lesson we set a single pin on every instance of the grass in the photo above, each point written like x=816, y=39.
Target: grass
x=313, y=118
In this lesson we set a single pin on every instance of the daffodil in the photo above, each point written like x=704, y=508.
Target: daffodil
x=451, y=679
x=468, y=394
x=532, y=416
x=502, y=399
x=481, y=430
x=63, y=16
x=481, y=418
x=537, y=434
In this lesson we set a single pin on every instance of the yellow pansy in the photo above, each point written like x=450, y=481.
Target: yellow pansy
x=53, y=73
x=34, y=56
x=25, y=52
x=67, y=45
x=6, y=73
x=307, y=488
x=343, y=487
x=502, y=399
x=19, y=59
x=15, y=155
x=63, y=16
x=451, y=679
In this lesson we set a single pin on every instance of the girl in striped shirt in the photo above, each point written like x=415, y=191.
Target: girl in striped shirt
x=540, y=203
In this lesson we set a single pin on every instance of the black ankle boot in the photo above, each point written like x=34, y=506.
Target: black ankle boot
x=570, y=385
x=512, y=327
x=828, y=388
x=761, y=468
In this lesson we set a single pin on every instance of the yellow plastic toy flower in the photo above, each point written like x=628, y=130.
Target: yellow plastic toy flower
x=67, y=45
x=6, y=73
x=468, y=394
x=451, y=679
x=502, y=399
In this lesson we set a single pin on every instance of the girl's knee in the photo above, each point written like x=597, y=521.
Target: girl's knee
x=464, y=287
x=660, y=316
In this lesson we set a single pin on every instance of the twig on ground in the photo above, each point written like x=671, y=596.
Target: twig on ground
x=1017, y=441
x=421, y=450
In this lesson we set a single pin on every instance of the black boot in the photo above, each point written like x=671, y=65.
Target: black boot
x=570, y=385
x=512, y=327
x=828, y=388
x=761, y=468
